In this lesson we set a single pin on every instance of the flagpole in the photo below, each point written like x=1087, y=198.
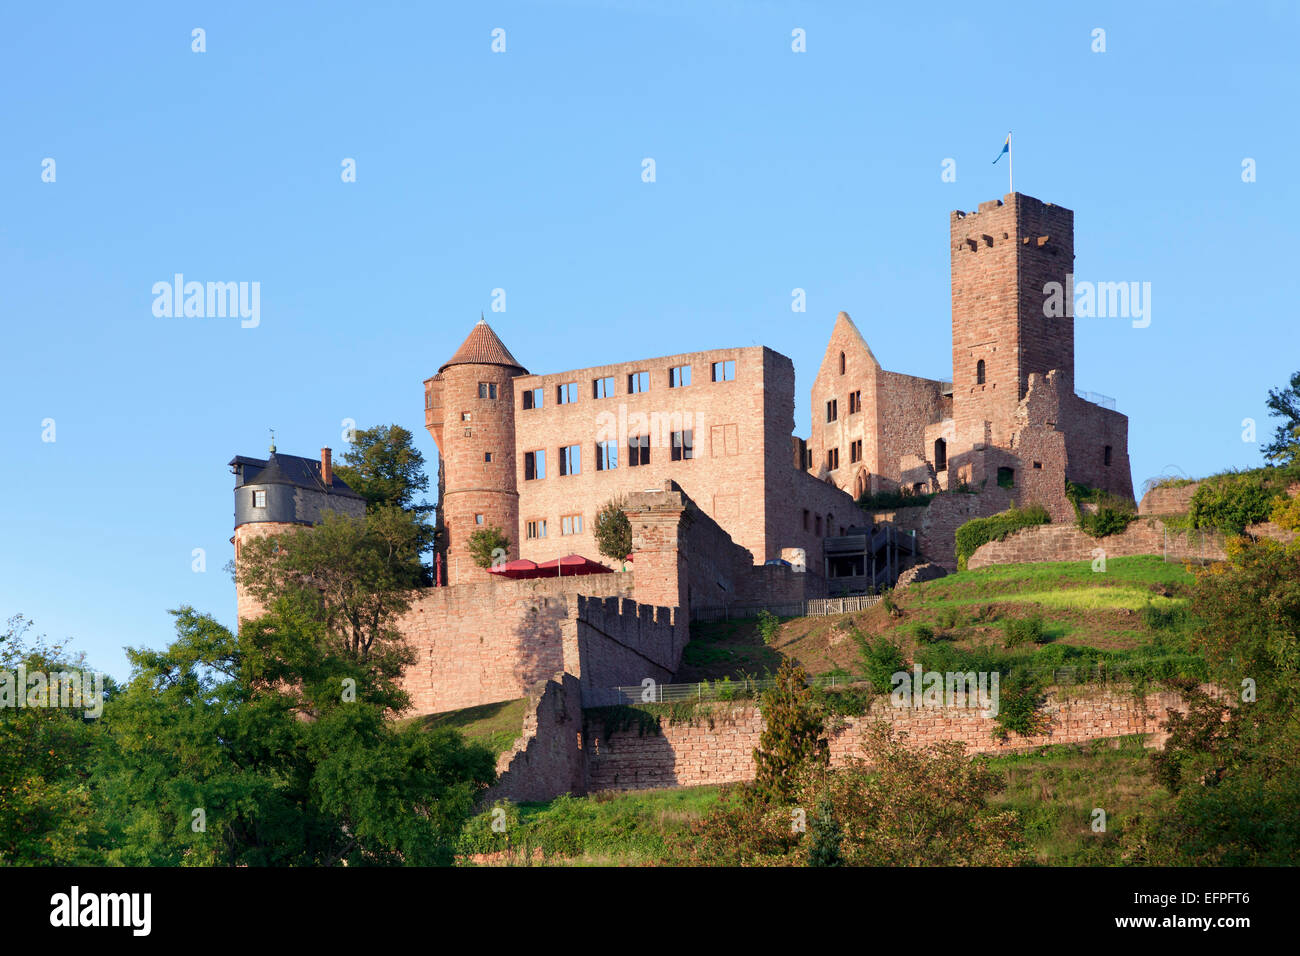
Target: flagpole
x=1011, y=167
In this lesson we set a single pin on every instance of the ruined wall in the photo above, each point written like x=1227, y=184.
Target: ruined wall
x=936, y=524
x=492, y=640
x=1175, y=500
x=1067, y=542
x=547, y=759
x=694, y=754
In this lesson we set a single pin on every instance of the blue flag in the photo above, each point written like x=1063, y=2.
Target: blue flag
x=1006, y=148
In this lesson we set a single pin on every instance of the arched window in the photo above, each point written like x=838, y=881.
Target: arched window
x=841, y=363
x=979, y=372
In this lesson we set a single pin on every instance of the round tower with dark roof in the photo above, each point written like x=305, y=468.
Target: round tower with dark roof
x=470, y=412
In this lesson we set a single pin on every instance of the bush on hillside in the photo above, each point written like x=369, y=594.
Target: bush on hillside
x=1232, y=501
x=1113, y=515
x=979, y=531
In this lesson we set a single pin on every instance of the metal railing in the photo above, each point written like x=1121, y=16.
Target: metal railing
x=815, y=607
x=1105, y=401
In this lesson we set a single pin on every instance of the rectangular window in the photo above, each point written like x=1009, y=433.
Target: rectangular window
x=832, y=409
x=1006, y=477
x=487, y=390
x=807, y=520
x=855, y=451
x=833, y=459
x=533, y=398
x=570, y=460
x=602, y=387
x=724, y=371
x=571, y=524
x=855, y=402
x=638, y=450
x=819, y=526
x=487, y=456
x=679, y=376
x=683, y=445
x=259, y=499
x=478, y=519
x=606, y=455
x=428, y=400
x=638, y=382
x=534, y=465
x=1107, y=456
x=537, y=529
x=566, y=394
x=464, y=416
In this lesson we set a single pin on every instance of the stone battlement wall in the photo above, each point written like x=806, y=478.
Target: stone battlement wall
x=491, y=640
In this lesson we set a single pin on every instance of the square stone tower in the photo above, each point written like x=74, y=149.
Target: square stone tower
x=1002, y=256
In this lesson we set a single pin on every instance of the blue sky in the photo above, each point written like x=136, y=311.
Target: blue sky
x=522, y=170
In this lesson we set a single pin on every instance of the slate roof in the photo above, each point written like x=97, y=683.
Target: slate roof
x=286, y=470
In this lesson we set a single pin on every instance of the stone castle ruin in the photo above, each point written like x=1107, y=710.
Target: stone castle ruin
x=728, y=507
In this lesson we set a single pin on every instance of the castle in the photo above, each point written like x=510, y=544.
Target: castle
x=728, y=507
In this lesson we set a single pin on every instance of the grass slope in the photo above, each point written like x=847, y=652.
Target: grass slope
x=496, y=726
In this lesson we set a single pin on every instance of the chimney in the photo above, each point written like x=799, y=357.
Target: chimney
x=326, y=468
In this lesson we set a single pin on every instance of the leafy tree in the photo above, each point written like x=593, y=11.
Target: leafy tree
x=1284, y=403
x=216, y=765
x=1233, y=763
x=485, y=544
x=353, y=577
x=384, y=467
x=47, y=756
x=613, y=531
x=792, y=737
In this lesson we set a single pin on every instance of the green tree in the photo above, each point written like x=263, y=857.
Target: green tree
x=1284, y=403
x=255, y=752
x=613, y=531
x=825, y=836
x=486, y=544
x=47, y=760
x=384, y=467
x=792, y=738
x=353, y=577
x=1232, y=762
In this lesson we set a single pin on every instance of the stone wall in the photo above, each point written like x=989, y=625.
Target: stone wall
x=723, y=751
x=492, y=640
x=612, y=642
x=1174, y=500
x=547, y=759
x=1068, y=542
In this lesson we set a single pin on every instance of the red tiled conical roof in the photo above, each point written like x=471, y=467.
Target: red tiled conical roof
x=482, y=347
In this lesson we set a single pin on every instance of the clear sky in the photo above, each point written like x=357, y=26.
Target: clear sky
x=522, y=170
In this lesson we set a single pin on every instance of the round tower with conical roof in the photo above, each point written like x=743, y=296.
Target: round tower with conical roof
x=470, y=412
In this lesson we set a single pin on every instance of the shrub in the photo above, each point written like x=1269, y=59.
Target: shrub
x=1113, y=514
x=1286, y=512
x=1024, y=630
x=769, y=626
x=922, y=633
x=1231, y=501
x=890, y=500
x=1020, y=703
x=979, y=531
x=881, y=659
x=487, y=545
